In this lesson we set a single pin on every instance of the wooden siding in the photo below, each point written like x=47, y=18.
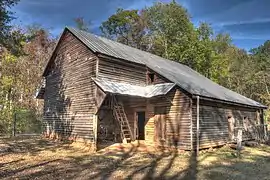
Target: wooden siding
x=131, y=106
x=69, y=95
x=158, y=78
x=150, y=123
x=107, y=123
x=177, y=116
x=127, y=72
x=121, y=71
x=178, y=119
x=213, y=121
x=108, y=126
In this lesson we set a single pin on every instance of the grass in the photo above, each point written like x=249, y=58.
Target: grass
x=38, y=158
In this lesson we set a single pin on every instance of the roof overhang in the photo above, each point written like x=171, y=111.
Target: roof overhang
x=54, y=51
x=133, y=90
x=40, y=93
x=258, y=106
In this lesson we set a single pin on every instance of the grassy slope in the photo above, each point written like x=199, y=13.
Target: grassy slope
x=38, y=158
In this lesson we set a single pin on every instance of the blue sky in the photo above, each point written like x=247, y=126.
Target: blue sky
x=247, y=21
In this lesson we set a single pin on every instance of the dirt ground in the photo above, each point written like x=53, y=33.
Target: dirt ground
x=38, y=158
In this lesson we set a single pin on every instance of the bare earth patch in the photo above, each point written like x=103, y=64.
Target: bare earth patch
x=38, y=158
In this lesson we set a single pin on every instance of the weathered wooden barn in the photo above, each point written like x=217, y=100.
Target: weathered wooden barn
x=97, y=89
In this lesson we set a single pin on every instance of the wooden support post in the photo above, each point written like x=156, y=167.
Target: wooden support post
x=97, y=67
x=95, y=127
x=198, y=125
x=14, y=125
x=264, y=127
x=191, y=126
x=262, y=117
x=239, y=141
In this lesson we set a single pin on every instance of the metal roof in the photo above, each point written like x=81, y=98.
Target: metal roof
x=133, y=90
x=41, y=90
x=178, y=73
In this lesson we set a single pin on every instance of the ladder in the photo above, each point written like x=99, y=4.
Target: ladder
x=120, y=116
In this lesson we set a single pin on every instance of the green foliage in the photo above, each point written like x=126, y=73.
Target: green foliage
x=20, y=75
x=125, y=26
x=6, y=35
x=261, y=69
x=28, y=122
x=172, y=32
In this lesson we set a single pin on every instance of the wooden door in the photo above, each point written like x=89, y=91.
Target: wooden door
x=160, y=125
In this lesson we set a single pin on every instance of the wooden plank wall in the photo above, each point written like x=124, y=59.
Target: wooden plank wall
x=69, y=95
x=131, y=106
x=178, y=118
x=127, y=72
x=121, y=71
x=158, y=78
x=214, y=122
x=108, y=127
x=177, y=104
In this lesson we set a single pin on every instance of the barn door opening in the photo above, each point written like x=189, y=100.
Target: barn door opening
x=140, y=125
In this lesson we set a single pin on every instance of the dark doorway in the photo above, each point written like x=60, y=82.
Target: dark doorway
x=141, y=124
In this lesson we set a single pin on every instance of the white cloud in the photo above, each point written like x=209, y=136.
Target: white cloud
x=252, y=21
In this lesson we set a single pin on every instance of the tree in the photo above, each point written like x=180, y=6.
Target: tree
x=127, y=27
x=21, y=75
x=205, y=31
x=261, y=57
x=165, y=29
x=6, y=37
x=213, y=62
x=37, y=52
x=81, y=24
x=172, y=32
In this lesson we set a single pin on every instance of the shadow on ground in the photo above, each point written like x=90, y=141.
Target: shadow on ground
x=29, y=145
x=43, y=159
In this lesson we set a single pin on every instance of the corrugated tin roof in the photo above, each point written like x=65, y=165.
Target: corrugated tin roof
x=182, y=75
x=133, y=90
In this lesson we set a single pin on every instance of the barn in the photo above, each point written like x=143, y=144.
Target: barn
x=98, y=90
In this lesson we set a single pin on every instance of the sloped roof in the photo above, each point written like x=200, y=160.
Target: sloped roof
x=41, y=90
x=133, y=90
x=178, y=73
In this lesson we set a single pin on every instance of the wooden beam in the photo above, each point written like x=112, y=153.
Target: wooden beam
x=97, y=67
x=191, y=126
x=228, y=102
x=95, y=127
x=198, y=125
